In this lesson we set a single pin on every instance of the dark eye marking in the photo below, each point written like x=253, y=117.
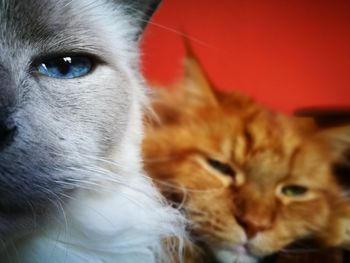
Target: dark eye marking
x=294, y=190
x=221, y=167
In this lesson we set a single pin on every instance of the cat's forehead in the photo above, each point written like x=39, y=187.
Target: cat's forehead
x=49, y=26
x=32, y=20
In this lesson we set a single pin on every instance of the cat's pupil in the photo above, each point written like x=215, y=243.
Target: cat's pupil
x=221, y=167
x=294, y=190
x=64, y=65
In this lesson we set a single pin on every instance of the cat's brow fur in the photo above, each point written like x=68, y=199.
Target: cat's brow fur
x=71, y=187
x=266, y=150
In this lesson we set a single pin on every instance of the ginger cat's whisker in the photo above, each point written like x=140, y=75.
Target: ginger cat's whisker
x=296, y=251
x=182, y=188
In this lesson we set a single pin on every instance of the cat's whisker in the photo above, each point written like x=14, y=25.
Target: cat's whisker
x=93, y=172
x=67, y=4
x=91, y=208
x=114, y=163
x=4, y=246
x=87, y=185
x=58, y=203
x=81, y=185
x=106, y=176
x=169, y=29
x=121, y=167
x=159, y=159
x=160, y=182
x=35, y=225
x=104, y=160
x=300, y=250
x=175, y=186
x=302, y=246
x=196, y=212
x=99, y=213
x=15, y=250
x=87, y=7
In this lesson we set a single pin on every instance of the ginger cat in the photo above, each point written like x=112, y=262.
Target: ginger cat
x=251, y=181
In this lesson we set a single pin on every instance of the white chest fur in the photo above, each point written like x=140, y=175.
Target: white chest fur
x=124, y=227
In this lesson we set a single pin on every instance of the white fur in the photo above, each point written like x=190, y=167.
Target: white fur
x=226, y=256
x=123, y=218
x=126, y=226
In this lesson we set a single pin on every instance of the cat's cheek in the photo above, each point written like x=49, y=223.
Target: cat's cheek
x=268, y=243
x=345, y=240
x=338, y=234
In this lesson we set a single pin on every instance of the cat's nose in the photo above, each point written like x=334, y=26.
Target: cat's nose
x=253, y=223
x=7, y=132
x=7, y=106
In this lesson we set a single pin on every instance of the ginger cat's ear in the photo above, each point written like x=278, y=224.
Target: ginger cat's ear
x=192, y=91
x=338, y=140
x=195, y=86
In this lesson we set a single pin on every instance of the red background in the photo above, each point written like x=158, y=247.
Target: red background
x=287, y=54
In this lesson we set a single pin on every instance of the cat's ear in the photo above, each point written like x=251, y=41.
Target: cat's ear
x=178, y=100
x=195, y=85
x=166, y=108
x=140, y=11
x=338, y=138
x=338, y=141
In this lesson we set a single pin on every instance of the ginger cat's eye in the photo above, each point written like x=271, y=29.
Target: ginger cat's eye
x=294, y=190
x=221, y=167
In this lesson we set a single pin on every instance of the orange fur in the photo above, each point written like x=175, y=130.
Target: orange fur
x=226, y=161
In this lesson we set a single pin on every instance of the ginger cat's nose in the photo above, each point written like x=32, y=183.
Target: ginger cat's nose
x=254, y=222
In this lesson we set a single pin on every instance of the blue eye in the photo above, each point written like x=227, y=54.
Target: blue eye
x=65, y=67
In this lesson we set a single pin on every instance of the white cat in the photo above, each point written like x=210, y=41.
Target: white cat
x=71, y=98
